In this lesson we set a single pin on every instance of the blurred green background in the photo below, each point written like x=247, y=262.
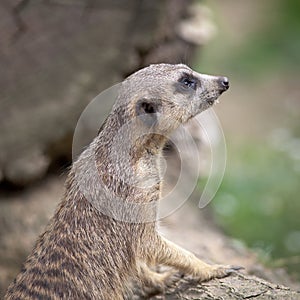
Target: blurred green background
x=257, y=45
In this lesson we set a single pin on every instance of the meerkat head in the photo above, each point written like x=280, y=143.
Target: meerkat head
x=155, y=101
x=163, y=96
x=150, y=105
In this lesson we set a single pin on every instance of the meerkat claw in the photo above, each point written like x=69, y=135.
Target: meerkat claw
x=219, y=271
x=233, y=269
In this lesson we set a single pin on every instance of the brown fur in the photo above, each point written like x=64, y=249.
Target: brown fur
x=94, y=246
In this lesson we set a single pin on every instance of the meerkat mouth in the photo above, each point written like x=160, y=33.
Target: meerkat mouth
x=213, y=101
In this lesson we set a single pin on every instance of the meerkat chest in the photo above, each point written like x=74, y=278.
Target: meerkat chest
x=148, y=171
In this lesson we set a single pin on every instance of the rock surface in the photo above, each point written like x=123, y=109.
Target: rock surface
x=57, y=55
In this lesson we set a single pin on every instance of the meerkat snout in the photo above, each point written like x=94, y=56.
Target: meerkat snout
x=224, y=83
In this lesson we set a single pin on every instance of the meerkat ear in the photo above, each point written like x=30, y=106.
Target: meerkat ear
x=147, y=110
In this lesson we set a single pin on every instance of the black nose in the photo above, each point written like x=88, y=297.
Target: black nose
x=224, y=83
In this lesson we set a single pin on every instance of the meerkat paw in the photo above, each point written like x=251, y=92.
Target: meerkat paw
x=171, y=277
x=157, y=283
x=164, y=280
x=215, y=271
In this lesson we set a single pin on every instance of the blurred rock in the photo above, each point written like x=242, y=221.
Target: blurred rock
x=199, y=28
x=57, y=55
x=30, y=166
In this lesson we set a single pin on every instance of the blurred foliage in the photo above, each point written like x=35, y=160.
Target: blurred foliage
x=277, y=45
x=258, y=201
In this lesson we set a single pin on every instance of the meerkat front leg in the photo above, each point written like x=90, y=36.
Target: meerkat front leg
x=170, y=254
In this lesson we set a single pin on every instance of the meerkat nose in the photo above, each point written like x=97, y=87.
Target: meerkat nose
x=224, y=83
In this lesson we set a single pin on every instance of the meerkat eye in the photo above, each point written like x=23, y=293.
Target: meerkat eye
x=189, y=82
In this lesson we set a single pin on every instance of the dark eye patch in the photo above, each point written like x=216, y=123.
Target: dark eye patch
x=189, y=81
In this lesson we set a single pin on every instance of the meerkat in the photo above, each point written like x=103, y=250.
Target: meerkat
x=104, y=232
